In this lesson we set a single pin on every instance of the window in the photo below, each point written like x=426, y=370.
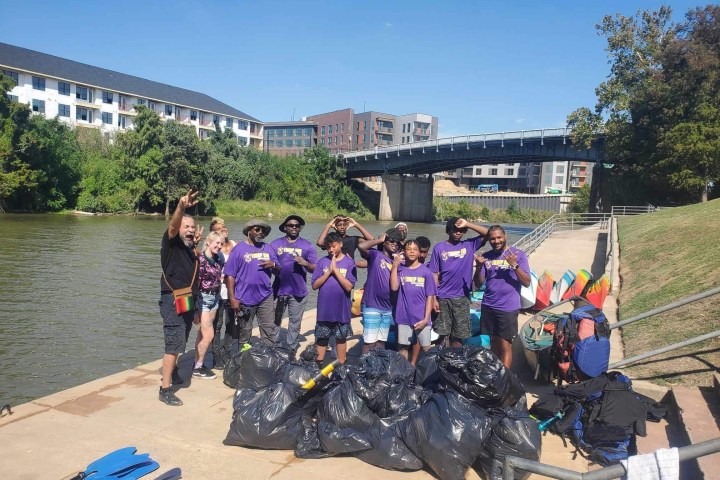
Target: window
x=467, y=172
x=38, y=106
x=548, y=168
x=13, y=98
x=216, y=119
x=560, y=169
x=63, y=110
x=357, y=139
x=141, y=101
x=288, y=132
x=229, y=122
x=342, y=138
x=307, y=142
x=336, y=140
x=279, y=132
x=322, y=141
x=330, y=130
x=342, y=128
x=559, y=179
x=358, y=125
x=242, y=125
x=403, y=140
x=509, y=171
x=38, y=83
x=63, y=88
x=298, y=133
x=83, y=114
x=403, y=132
x=308, y=132
x=329, y=140
x=121, y=121
x=337, y=128
x=193, y=114
x=364, y=124
x=547, y=179
x=270, y=132
x=106, y=118
x=288, y=143
x=83, y=93
x=242, y=140
x=271, y=143
x=298, y=143
x=107, y=97
x=322, y=130
x=169, y=110
x=364, y=138
x=11, y=74
x=493, y=171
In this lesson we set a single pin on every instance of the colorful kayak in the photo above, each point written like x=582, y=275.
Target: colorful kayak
x=598, y=291
x=562, y=286
x=356, y=308
x=527, y=294
x=544, y=290
x=582, y=278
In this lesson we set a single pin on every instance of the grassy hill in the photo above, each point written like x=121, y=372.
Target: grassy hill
x=665, y=256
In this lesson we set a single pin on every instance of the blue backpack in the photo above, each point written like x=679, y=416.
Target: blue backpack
x=581, y=345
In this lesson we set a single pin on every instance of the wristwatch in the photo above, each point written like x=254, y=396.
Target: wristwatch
x=516, y=266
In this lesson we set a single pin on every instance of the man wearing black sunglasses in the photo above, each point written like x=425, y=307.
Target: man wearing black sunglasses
x=452, y=264
x=295, y=256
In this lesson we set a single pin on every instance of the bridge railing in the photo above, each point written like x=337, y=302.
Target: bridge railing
x=464, y=140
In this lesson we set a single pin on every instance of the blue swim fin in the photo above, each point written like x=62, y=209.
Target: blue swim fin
x=106, y=462
x=135, y=473
x=173, y=474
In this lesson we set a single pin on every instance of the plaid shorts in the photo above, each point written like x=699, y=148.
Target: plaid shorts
x=454, y=317
x=325, y=330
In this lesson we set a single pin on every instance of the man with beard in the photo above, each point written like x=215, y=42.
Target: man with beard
x=341, y=224
x=503, y=270
x=247, y=274
x=376, y=307
x=296, y=256
x=452, y=263
x=179, y=265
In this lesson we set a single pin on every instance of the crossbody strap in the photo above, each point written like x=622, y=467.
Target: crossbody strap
x=197, y=261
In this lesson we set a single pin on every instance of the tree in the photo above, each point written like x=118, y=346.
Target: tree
x=580, y=202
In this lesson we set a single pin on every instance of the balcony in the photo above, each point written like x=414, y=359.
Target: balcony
x=421, y=131
x=207, y=122
x=86, y=104
x=384, y=129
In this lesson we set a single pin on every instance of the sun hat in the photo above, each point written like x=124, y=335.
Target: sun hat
x=256, y=223
x=291, y=217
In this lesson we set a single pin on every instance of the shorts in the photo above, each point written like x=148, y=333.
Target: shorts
x=209, y=302
x=498, y=323
x=376, y=324
x=326, y=330
x=176, y=328
x=454, y=317
x=407, y=335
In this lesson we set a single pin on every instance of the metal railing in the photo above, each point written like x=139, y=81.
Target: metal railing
x=561, y=222
x=513, y=464
x=617, y=210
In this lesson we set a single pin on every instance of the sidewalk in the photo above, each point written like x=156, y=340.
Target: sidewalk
x=55, y=437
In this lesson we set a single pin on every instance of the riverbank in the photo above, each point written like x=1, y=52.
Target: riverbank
x=668, y=255
x=278, y=210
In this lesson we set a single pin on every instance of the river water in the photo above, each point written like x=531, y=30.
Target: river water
x=79, y=295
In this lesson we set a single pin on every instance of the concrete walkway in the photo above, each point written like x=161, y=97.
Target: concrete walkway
x=55, y=437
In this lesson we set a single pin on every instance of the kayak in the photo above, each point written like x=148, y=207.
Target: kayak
x=527, y=294
x=582, y=278
x=562, y=286
x=544, y=290
x=598, y=291
x=356, y=308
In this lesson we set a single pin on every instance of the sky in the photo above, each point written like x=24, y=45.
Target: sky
x=480, y=66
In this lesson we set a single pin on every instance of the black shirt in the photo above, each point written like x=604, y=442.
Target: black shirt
x=349, y=246
x=178, y=263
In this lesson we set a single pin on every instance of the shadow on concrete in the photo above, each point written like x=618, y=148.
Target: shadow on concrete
x=598, y=265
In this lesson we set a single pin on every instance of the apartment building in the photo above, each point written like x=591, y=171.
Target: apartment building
x=86, y=96
x=334, y=129
x=290, y=138
x=375, y=129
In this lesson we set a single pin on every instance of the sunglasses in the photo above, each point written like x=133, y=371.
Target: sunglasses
x=292, y=225
x=391, y=240
x=257, y=229
x=461, y=230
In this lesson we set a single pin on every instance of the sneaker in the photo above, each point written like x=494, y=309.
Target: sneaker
x=204, y=373
x=168, y=397
x=176, y=380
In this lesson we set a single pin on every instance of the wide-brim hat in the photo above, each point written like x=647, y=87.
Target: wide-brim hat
x=257, y=223
x=291, y=217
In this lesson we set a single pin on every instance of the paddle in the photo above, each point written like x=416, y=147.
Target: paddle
x=173, y=474
x=102, y=464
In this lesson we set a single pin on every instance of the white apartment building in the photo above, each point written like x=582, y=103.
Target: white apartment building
x=534, y=177
x=415, y=127
x=88, y=96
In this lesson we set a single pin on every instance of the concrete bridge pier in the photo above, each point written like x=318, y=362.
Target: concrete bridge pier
x=406, y=198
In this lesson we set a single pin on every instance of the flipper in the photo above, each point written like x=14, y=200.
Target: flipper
x=174, y=474
x=134, y=473
x=102, y=464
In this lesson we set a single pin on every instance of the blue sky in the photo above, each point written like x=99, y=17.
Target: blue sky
x=479, y=66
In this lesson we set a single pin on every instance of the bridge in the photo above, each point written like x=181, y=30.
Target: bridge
x=406, y=197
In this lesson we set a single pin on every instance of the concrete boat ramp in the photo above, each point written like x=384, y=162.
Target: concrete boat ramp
x=55, y=437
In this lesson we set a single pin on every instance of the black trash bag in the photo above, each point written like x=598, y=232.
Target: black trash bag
x=447, y=433
x=309, y=446
x=376, y=372
x=270, y=418
x=427, y=374
x=514, y=434
x=400, y=401
x=388, y=450
x=298, y=372
x=261, y=365
x=343, y=419
x=233, y=367
x=478, y=375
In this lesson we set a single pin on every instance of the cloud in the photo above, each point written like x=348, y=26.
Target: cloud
x=519, y=120
x=388, y=24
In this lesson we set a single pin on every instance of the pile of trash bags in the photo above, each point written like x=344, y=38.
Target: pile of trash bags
x=459, y=408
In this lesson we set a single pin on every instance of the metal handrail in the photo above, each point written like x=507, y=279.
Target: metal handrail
x=668, y=348
x=621, y=210
x=561, y=221
x=511, y=464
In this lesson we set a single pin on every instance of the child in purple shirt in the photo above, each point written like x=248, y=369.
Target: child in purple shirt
x=334, y=277
x=416, y=289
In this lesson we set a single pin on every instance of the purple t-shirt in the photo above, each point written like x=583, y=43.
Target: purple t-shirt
x=416, y=285
x=252, y=282
x=292, y=279
x=502, y=290
x=333, y=302
x=377, y=286
x=454, y=263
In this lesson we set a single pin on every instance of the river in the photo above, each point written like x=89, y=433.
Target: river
x=79, y=295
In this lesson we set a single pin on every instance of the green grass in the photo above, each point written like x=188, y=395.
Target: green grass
x=261, y=208
x=665, y=256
